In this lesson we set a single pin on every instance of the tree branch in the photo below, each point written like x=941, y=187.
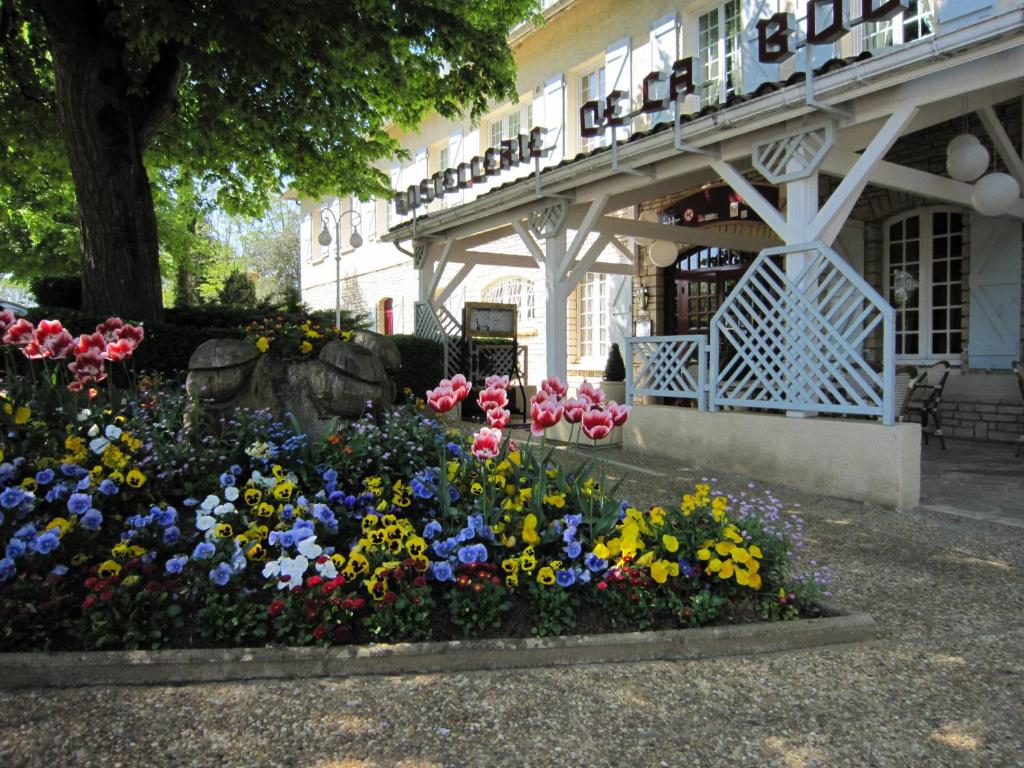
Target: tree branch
x=159, y=99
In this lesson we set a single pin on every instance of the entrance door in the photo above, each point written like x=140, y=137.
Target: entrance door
x=702, y=278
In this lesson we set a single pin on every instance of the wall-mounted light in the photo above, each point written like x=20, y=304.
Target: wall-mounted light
x=643, y=295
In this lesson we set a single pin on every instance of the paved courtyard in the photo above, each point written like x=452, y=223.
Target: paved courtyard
x=941, y=686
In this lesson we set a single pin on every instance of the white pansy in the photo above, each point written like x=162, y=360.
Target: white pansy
x=231, y=493
x=327, y=569
x=223, y=509
x=309, y=548
x=99, y=444
x=93, y=430
x=294, y=569
x=205, y=522
x=210, y=502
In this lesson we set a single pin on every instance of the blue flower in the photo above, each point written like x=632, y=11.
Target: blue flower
x=453, y=494
x=595, y=563
x=583, y=578
x=56, y=493
x=443, y=548
x=7, y=569
x=15, y=548
x=203, y=551
x=190, y=502
x=59, y=570
x=454, y=448
x=46, y=542
x=331, y=476
x=573, y=550
x=440, y=571
x=221, y=574
x=175, y=564
x=26, y=532
x=165, y=517
x=172, y=535
x=324, y=514
x=227, y=480
x=285, y=539
x=73, y=470
x=109, y=487
x=565, y=578
x=466, y=534
x=474, y=553
x=11, y=497
x=573, y=520
x=431, y=529
x=45, y=476
x=84, y=484
x=92, y=520
x=476, y=522
x=235, y=469
x=421, y=488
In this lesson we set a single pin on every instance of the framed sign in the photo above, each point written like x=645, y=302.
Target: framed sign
x=497, y=320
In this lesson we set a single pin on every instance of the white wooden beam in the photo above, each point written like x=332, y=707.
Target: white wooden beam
x=769, y=213
x=622, y=248
x=689, y=235
x=829, y=220
x=1003, y=144
x=572, y=279
x=454, y=283
x=493, y=259
x=435, y=279
x=914, y=182
x=527, y=238
x=586, y=226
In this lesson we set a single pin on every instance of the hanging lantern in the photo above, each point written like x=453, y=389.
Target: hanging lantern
x=995, y=194
x=662, y=253
x=966, y=157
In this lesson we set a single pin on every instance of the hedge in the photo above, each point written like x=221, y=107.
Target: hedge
x=422, y=364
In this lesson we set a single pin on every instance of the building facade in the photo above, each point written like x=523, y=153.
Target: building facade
x=770, y=124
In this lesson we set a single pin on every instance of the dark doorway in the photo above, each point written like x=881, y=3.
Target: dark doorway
x=699, y=282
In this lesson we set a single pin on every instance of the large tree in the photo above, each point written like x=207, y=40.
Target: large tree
x=241, y=97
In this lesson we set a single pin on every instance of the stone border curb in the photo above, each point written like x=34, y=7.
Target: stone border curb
x=74, y=669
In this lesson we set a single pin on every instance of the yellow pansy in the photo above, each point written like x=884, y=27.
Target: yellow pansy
x=283, y=491
x=223, y=531
x=715, y=565
x=755, y=581
x=658, y=516
x=109, y=568
x=119, y=551
x=512, y=580
x=22, y=414
x=29, y=484
x=511, y=565
x=743, y=577
x=556, y=500
x=671, y=543
x=256, y=552
x=262, y=343
x=601, y=551
x=130, y=580
x=530, y=529
x=723, y=548
x=135, y=478
x=726, y=571
x=62, y=524
x=755, y=551
x=753, y=566
x=265, y=510
x=546, y=576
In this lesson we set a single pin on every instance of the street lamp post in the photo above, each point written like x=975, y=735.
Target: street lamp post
x=324, y=239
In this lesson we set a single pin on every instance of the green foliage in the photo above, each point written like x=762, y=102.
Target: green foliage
x=422, y=365
x=556, y=610
x=58, y=291
x=239, y=290
x=405, y=613
x=479, y=601
x=614, y=368
x=228, y=618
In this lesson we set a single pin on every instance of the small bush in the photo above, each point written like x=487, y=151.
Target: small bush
x=58, y=291
x=239, y=290
x=614, y=368
x=422, y=364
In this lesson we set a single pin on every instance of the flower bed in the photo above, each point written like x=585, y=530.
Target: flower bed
x=122, y=527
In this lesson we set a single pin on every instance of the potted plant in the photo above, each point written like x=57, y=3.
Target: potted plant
x=614, y=382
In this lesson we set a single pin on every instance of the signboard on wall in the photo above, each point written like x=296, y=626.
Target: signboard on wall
x=490, y=320
x=715, y=205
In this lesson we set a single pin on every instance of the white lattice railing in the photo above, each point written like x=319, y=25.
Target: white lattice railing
x=442, y=327
x=796, y=342
x=667, y=366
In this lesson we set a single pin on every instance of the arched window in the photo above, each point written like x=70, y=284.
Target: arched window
x=924, y=269
x=385, y=316
x=518, y=291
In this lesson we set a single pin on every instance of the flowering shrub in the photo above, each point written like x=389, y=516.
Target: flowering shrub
x=126, y=524
x=291, y=340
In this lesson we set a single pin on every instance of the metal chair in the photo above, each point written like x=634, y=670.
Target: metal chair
x=925, y=398
x=904, y=379
x=1018, y=368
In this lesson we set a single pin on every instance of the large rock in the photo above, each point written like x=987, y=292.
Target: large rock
x=338, y=383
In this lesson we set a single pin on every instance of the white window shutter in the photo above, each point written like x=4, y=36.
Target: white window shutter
x=618, y=77
x=554, y=119
x=664, y=52
x=396, y=185
x=995, y=292
x=368, y=213
x=955, y=14
x=754, y=72
x=456, y=155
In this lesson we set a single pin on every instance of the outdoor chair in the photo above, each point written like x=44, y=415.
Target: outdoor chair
x=925, y=397
x=1018, y=368
x=904, y=380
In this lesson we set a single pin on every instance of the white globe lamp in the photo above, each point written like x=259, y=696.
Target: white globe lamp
x=966, y=157
x=995, y=194
x=662, y=253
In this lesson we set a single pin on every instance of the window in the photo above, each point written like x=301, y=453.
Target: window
x=518, y=291
x=592, y=88
x=594, y=316
x=496, y=131
x=915, y=23
x=510, y=124
x=924, y=267
x=719, y=46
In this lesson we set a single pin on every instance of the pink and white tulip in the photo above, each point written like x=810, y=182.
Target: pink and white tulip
x=486, y=443
x=498, y=417
x=545, y=411
x=619, y=412
x=574, y=410
x=597, y=423
x=496, y=382
x=492, y=397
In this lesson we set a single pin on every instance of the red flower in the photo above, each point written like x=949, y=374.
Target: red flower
x=51, y=339
x=358, y=604
x=492, y=397
x=545, y=412
x=19, y=333
x=312, y=610
x=275, y=607
x=390, y=597
x=602, y=586
x=574, y=410
x=6, y=320
x=90, y=582
x=109, y=328
x=597, y=423
x=88, y=603
x=90, y=341
x=496, y=382
x=498, y=417
x=118, y=350
x=460, y=387
x=107, y=595
x=588, y=391
x=487, y=442
x=442, y=399
x=553, y=386
x=348, y=604
x=319, y=632
x=131, y=335
x=419, y=581
x=619, y=412
x=88, y=367
x=340, y=634
x=313, y=581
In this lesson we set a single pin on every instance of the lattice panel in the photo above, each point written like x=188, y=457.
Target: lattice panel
x=795, y=342
x=548, y=220
x=794, y=155
x=443, y=328
x=667, y=366
x=493, y=360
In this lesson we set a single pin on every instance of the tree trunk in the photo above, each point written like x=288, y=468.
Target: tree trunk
x=104, y=138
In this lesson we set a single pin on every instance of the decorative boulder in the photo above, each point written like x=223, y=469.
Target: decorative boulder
x=338, y=383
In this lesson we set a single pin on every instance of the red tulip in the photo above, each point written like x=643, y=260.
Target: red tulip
x=589, y=392
x=498, y=417
x=619, y=412
x=131, y=335
x=52, y=339
x=574, y=410
x=19, y=333
x=91, y=341
x=496, y=382
x=460, y=387
x=442, y=399
x=6, y=320
x=486, y=443
x=88, y=366
x=546, y=411
x=118, y=350
x=109, y=328
x=597, y=423
x=553, y=386
x=492, y=397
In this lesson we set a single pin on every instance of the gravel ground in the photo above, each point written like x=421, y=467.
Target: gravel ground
x=942, y=685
